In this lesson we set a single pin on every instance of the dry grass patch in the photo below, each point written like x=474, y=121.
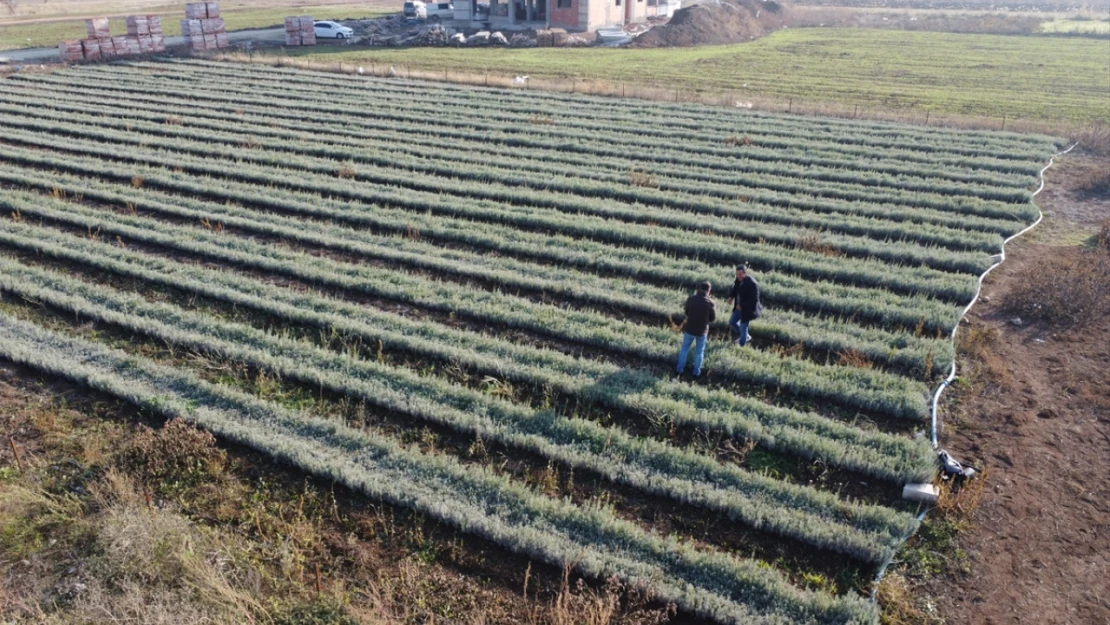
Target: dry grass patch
x=899, y=603
x=979, y=345
x=853, y=358
x=811, y=241
x=1070, y=291
x=177, y=454
x=615, y=603
x=639, y=178
x=1094, y=139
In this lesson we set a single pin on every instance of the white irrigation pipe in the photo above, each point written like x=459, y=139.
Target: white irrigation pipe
x=952, y=374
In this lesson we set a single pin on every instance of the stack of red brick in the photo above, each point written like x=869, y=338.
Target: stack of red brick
x=147, y=30
x=300, y=31
x=203, y=28
x=144, y=36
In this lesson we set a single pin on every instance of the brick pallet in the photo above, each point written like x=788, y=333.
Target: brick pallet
x=300, y=31
x=144, y=36
x=97, y=28
x=71, y=50
x=203, y=28
x=138, y=25
x=90, y=49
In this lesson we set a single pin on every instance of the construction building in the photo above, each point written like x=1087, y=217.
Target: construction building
x=571, y=15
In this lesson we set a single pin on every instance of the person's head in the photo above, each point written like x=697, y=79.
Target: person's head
x=741, y=271
x=705, y=287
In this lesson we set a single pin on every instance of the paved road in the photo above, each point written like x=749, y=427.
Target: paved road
x=50, y=55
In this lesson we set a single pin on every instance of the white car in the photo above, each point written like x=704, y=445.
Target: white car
x=438, y=11
x=332, y=30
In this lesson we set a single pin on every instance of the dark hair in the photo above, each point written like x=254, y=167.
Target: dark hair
x=742, y=267
x=704, y=287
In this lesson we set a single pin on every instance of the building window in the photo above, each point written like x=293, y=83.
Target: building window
x=652, y=3
x=565, y=4
x=618, y=2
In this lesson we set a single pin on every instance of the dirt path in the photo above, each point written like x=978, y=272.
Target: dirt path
x=1039, y=421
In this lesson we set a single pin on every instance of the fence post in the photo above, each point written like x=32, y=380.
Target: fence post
x=15, y=452
x=790, y=106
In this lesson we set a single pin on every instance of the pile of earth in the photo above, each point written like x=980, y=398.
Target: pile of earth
x=716, y=22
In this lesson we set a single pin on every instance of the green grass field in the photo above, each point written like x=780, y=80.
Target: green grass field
x=1030, y=78
x=1098, y=26
x=48, y=34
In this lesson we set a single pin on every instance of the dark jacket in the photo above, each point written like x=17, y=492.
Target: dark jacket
x=700, y=312
x=745, y=298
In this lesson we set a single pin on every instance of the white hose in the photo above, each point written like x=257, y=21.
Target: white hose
x=952, y=374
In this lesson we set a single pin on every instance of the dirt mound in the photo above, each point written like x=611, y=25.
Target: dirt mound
x=716, y=22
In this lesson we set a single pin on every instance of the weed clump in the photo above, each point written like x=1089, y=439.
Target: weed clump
x=1073, y=293
x=813, y=242
x=639, y=178
x=854, y=358
x=177, y=455
x=1095, y=181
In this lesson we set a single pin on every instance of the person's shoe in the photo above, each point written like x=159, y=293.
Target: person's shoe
x=697, y=375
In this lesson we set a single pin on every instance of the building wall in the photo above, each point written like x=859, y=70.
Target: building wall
x=601, y=13
x=638, y=10
x=569, y=17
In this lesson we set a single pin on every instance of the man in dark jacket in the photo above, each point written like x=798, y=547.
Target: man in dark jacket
x=746, y=306
x=700, y=312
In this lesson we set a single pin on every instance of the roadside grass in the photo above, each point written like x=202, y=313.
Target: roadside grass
x=866, y=72
x=49, y=34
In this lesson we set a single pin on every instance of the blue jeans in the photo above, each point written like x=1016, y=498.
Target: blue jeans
x=741, y=328
x=699, y=352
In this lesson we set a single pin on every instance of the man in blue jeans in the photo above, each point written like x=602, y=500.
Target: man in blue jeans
x=746, y=306
x=700, y=312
